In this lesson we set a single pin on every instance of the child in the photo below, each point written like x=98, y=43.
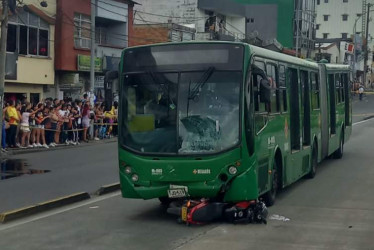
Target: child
x=39, y=119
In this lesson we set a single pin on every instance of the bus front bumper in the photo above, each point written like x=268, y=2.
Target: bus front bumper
x=149, y=190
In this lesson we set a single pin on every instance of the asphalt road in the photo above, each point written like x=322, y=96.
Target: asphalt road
x=335, y=210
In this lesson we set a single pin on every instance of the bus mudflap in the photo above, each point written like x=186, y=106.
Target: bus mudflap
x=203, y=211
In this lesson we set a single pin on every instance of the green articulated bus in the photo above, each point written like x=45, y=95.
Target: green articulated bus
x=226, y=120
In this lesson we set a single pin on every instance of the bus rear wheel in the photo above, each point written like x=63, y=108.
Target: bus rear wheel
x=313, y=167
x=269, y=197
x=338, y=154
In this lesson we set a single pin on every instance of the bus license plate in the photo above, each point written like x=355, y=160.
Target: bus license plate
x=177, y=193
x=184, y=214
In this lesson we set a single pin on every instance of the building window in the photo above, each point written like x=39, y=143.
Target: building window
x=82, y=31
x=325, y=17
x=359, y=14
x=345, y=1
x=344, y=35
x=318, y=2
x=345, y=17
x=325, y=35
x=28, y=34
x=326, y=1
x=101, y=35
x=11, y=45
x=317, y=26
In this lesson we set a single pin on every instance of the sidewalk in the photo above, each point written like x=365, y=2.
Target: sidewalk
x=18, y=151
x=54, y=173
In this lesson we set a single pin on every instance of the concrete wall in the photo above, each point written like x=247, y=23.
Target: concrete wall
x=263, y=21
x=178, y=11
x=117, y=34
x=108, y=9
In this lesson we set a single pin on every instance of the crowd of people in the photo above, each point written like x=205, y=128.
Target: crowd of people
x=53, y=122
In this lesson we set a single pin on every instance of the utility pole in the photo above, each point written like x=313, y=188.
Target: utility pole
x=354, y=47
x=366, y=51
x=92, y=68
x=3, y=40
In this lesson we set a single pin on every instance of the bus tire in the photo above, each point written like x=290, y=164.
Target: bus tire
x=270, y=196
x=338, y=154
x=314, y=163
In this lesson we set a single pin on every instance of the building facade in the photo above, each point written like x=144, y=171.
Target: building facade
x=340, y=21
x=30, y=51
x=212, y=19
x=161, y=33
x=113, y=30
x=289, y=22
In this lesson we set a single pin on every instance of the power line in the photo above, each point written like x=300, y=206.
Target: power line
x=152, y=14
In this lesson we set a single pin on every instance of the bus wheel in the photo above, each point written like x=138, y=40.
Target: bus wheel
x=269, y=197
x=338, y=154
x=313, y=168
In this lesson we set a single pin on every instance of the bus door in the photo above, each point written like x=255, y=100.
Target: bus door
x=293, y=166
x=261, y=121
x=332, y=102
x=324, y=111
x=346, y=95
x=306, y=107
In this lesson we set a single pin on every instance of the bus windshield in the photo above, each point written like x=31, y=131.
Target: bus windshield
x=195, y=112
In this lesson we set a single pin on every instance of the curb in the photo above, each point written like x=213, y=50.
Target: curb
x=42, y=207
x=108, y=189
x=37, y=150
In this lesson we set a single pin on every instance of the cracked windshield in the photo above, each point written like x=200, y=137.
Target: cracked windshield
x=183, y=113
x=186, y=124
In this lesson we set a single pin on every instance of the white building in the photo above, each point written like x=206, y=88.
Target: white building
x=337, y=21
x=212, y=19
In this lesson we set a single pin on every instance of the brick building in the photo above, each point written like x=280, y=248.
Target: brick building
x=161, y=33
x=113, y=32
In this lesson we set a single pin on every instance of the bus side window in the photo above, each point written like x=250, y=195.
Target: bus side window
x=260, y=118
x=337, y=88
x=282, y=88
x=342, y=82
x=315, y=90
x=256, y=79
x=272, y=73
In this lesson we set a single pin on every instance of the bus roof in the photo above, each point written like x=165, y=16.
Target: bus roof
x=266, y=53
x=282, y=57
x=335, y=67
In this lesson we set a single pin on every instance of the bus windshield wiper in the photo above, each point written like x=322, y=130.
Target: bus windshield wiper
x=204, y=78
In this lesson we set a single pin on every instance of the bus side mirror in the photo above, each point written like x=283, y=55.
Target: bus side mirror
x=265, y=91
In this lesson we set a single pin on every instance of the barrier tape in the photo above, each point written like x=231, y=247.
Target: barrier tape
x=366, y=93
x=75, y=130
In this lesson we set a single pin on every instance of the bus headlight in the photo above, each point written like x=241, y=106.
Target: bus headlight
x=128, y=170
x=134, y=177
x=233, y=170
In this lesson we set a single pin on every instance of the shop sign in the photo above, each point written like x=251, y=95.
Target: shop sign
x=84, y=63
x=99, y=82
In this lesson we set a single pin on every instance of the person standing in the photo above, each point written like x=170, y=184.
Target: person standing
x=85, y=120
x=361, y=92
x=14, y=119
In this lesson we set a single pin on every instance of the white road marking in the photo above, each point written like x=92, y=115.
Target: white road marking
x=357, y=123
x=36, y=217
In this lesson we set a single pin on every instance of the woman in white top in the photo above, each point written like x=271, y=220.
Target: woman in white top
x=25, y=125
